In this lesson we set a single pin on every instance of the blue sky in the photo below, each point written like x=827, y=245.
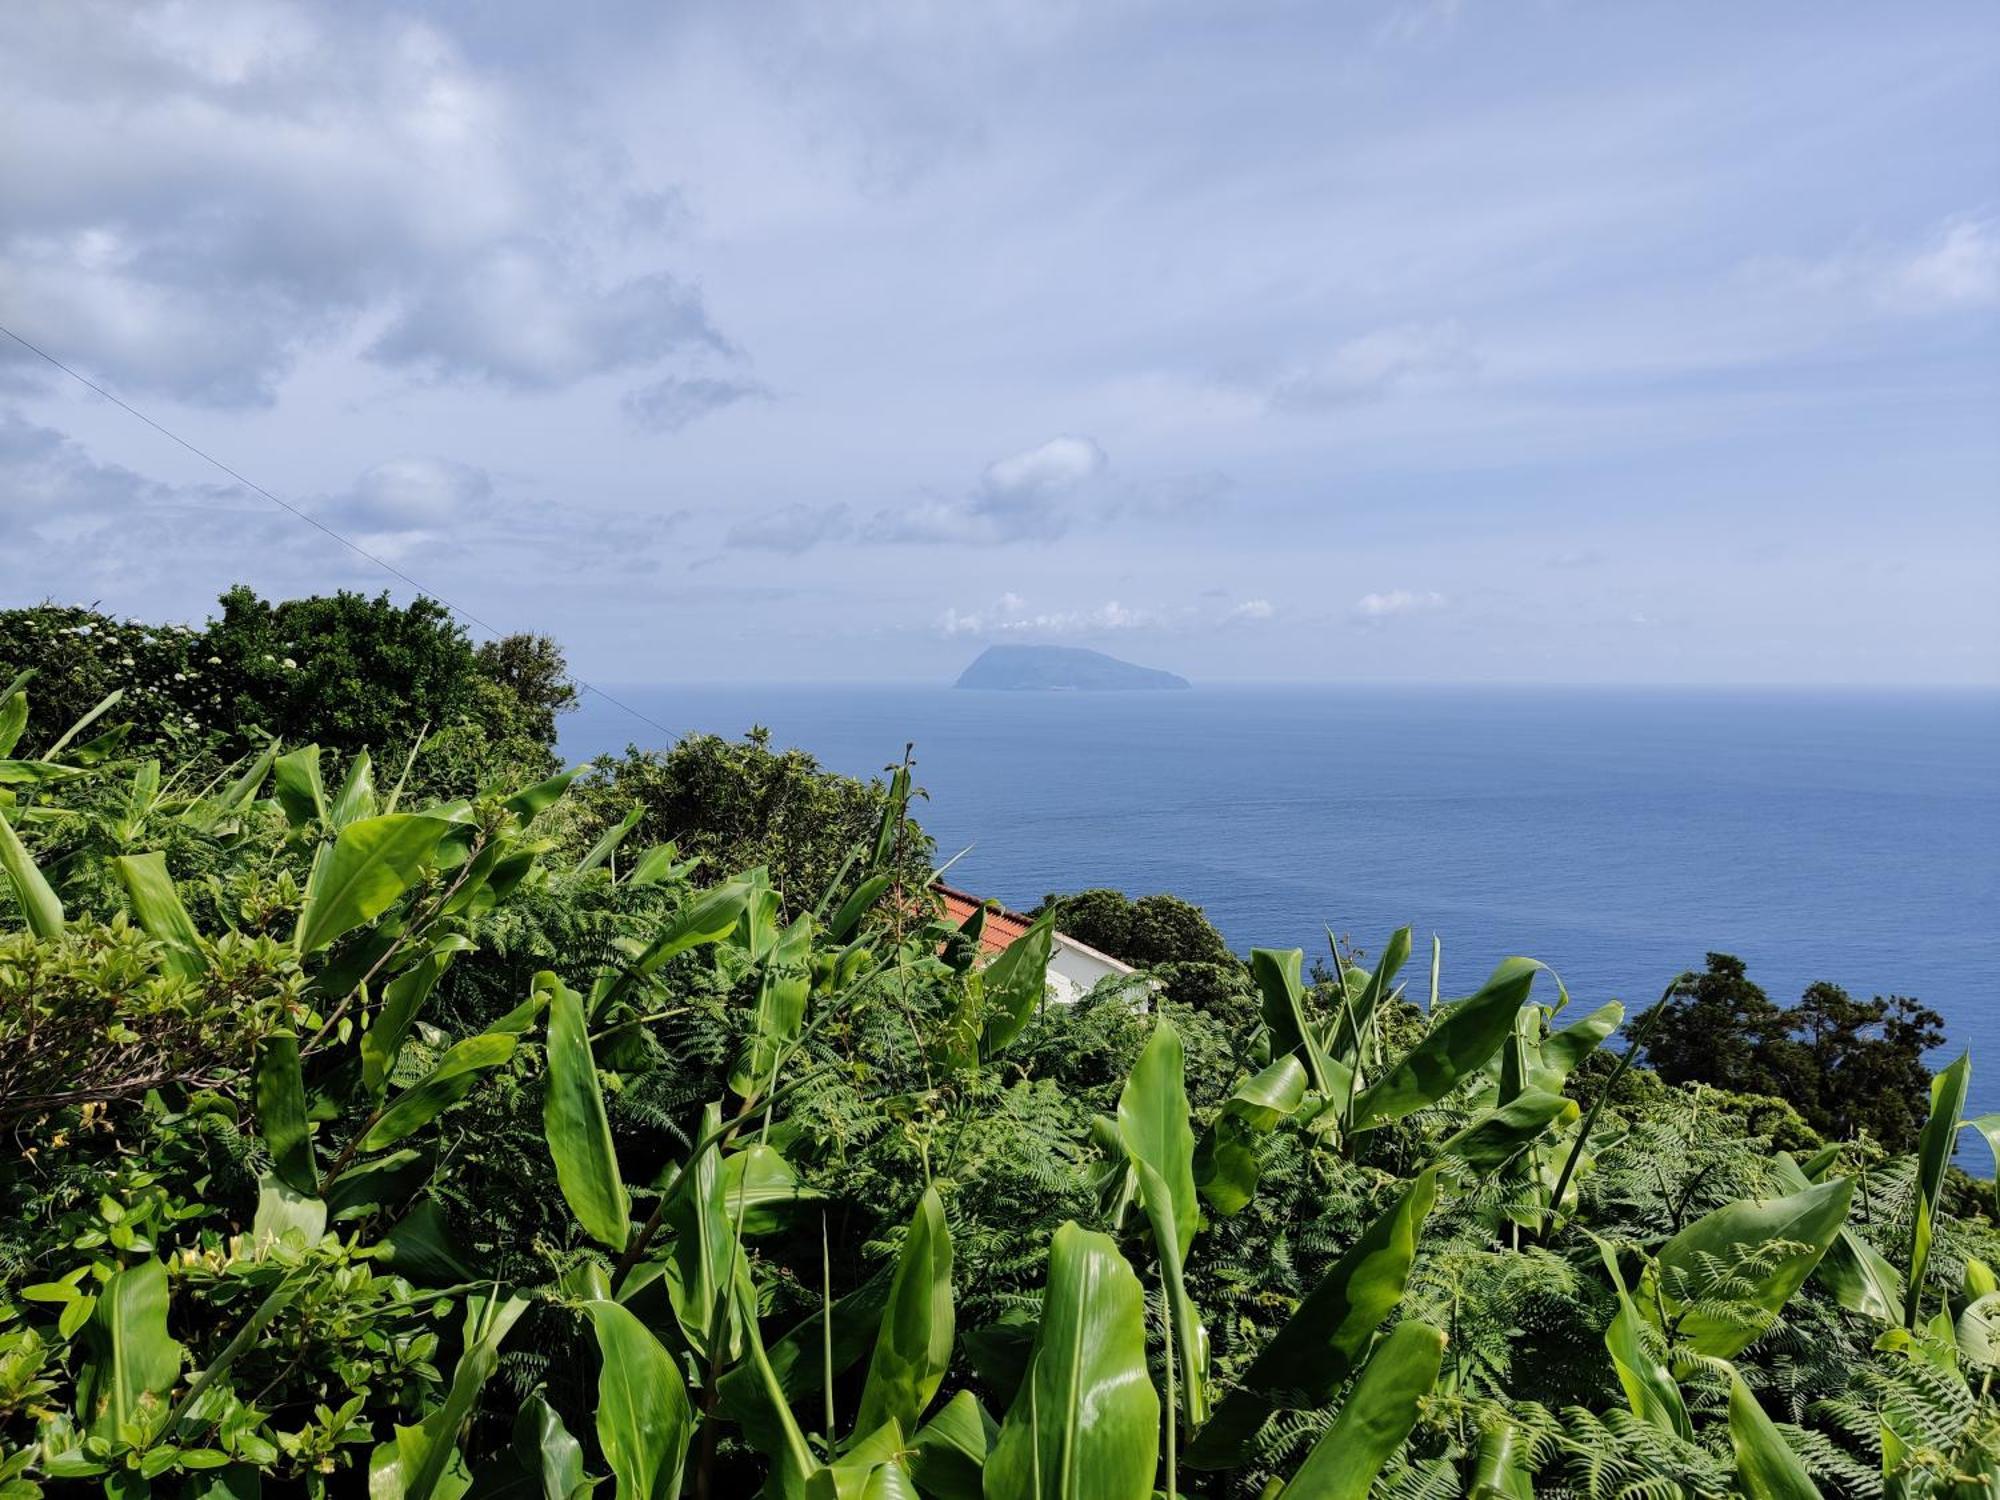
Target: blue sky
x=1400, y=339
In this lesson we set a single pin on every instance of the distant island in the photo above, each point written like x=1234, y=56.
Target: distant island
x=1024, y=669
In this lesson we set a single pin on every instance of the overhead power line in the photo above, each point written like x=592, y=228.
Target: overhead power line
x=311, y=520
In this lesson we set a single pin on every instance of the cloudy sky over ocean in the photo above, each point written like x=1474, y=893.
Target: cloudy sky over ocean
x=1405, y=338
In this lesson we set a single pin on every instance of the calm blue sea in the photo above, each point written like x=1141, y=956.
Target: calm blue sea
x=1617, y=835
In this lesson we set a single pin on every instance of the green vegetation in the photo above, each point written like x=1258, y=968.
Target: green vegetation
x=525, y=1132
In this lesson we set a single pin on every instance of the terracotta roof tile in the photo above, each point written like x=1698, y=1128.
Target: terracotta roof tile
x=1002, y=927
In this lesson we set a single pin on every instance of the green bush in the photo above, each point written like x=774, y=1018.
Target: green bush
x=503, y=1145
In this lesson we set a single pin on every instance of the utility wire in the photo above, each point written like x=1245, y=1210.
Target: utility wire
x=311, y=520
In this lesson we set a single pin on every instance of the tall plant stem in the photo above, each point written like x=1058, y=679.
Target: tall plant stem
x=1639, y=1040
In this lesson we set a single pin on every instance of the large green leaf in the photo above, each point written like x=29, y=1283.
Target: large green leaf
x=607, y=844
x=705, y=1256
x=1375, y=1420
x=573, y=1119
x=1458, y=1044
x=913, y=1350
x=13, y=720
x=797, y=1360
x=644, y=1420
x=1357, y=1016
x=1501, y=1469
x=1085, y=1424
x=948, y=1453
x=1650, y=1388
x=281, y=1113
x=450, y=1081
x=424, y=1454
x=1497, y=1135
x=356, y=798
x=1283, y=1005
x=39, y=906
x=872, y=1471
x=1766, y=1467
x=783, y=988
x=761, y=1189
x=858, y=904
x=1934, y=1147
x=532, y=802
x=298, y=786
x=1734, y=1239
x=157, y=905
x=1561, y=1051
x=1324, y=1340
x=1226, y=1166
x=1859, y=1276
x=547, y=1451
x=122, y=1391
x=371, y=864
x=1015, y=984
x=402, y=998
x=246, y=785
x=1153, y=1125
x=709, y=918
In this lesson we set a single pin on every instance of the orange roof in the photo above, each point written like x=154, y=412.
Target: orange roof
x=1002, y=927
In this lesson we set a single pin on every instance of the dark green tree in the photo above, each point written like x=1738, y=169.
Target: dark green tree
x=736, y=804
x=1844, y=1064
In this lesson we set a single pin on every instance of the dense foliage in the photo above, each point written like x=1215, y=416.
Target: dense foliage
x=496, y=1143
x=1848, y=1066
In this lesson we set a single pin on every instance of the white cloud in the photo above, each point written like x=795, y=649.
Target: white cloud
x=197, y=195
x=1955, y=268
x=1959, y=268
x=1010, y=616
x=1387, y=361
x=1036, y=495
x=1398, y=602
x=1252, y=609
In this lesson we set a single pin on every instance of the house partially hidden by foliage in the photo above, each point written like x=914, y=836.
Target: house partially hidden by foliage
x=375, y=1126
x=1074, y=968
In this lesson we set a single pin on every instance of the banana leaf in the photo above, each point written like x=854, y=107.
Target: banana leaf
x=281, y=1113
x=1326, y=1337
x=1226, y=1164
x=1650, y=1388
x=1934, y=1147
x=913, y=1350
x=298, y=787
x=783, y=988
x=1085, y=1424
x=1154, y=1128
x=423, y=1453
x=1766, y=1467
x=356, y=798
x=644, y=1420
x=157, y=907
x=1375, y=1420
x=1860, y=1277
x=122, y=1390
x=447, y=1083
x=1735, y=1235
x=370, y=864
x=1015, y=984
x=1500, y=1134
x=39, y=906
x=575, y=1124
x=948, y=1453
x=1283, y=1006
x=1459, y=1044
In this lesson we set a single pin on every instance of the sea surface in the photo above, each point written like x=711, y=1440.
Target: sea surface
x=1618, y=835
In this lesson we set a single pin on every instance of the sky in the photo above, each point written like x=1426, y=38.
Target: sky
x=1388, y=339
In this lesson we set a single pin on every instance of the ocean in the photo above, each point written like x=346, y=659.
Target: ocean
x=1617, y=835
